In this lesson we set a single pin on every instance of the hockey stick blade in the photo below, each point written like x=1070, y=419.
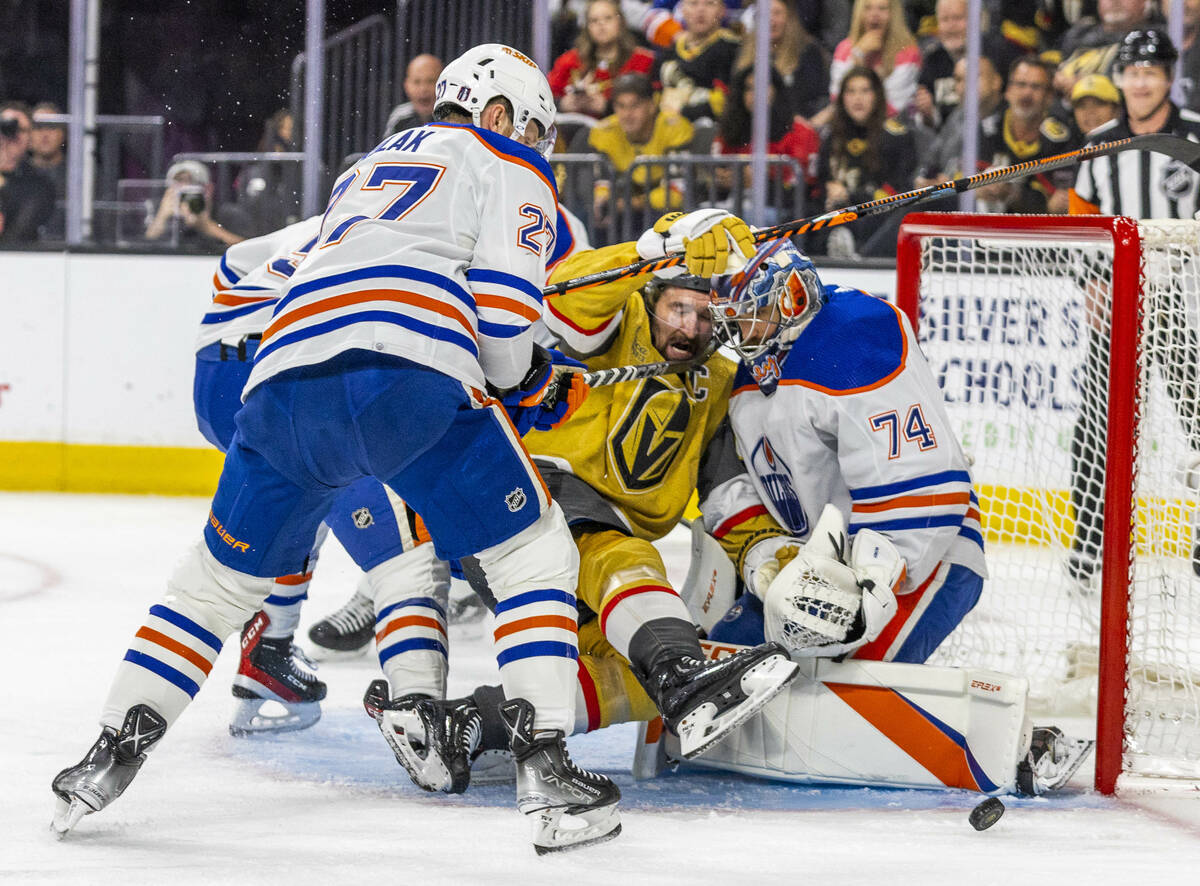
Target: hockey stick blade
x=1173, y=146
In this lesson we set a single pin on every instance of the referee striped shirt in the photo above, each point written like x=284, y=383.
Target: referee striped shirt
x=1138, y=183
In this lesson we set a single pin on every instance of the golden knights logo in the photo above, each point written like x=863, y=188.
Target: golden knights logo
x=650, y=434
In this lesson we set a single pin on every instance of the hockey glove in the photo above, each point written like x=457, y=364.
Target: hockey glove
x=548, y=395
x=820, y=605
x=713, y=242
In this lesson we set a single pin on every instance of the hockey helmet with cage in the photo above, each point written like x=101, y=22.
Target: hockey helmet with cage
x=764, y=306
x=1150, y=46
x=493, y=70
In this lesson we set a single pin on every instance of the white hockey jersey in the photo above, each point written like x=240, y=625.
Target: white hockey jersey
x=857, y=421
x=248, y=280
x=433, y=248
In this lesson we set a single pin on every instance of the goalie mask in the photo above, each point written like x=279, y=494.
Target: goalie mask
x=762, y=309
x=494, y=70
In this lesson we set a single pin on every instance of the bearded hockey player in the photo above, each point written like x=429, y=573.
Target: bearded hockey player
x=623, y=470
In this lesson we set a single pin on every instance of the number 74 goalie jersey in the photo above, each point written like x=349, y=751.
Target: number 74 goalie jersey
x=858, y=421
x=433, y=248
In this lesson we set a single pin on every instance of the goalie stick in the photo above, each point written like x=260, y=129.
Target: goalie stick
x=1175, y=147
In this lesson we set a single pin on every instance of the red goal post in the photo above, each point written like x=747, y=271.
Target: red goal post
x=1019, y=315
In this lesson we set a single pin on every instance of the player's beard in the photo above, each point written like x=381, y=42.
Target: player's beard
x=680, y=346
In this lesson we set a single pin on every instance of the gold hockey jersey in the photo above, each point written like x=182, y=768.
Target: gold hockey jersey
x=638, y=443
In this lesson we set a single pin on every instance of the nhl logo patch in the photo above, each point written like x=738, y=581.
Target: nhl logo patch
x=362, y=518
x=515, y=499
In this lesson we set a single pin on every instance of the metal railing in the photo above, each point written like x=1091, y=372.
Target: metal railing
x=654, y=185
x=447, y=28
x=360, y=89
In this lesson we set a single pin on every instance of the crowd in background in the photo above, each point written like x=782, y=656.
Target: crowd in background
x=865, y=101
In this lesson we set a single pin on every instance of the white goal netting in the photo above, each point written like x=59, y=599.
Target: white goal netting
x=1018, y=329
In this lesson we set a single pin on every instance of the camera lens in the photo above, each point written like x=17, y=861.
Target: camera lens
x=10, y=127
x=194, y=203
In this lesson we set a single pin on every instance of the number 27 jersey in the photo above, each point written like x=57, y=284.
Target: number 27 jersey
x=429, y=250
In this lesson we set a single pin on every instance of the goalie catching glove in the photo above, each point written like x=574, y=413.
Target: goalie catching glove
x=824, y=600
x=713, y=242
x=549, y=394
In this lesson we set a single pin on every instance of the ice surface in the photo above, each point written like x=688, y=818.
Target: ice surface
x=329, y=805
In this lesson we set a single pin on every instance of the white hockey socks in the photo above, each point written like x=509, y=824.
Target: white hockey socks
x=532, y=576
x=410, y=593
x=173, y=652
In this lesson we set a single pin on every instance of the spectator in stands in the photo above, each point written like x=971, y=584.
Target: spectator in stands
x=581, y=78
x=1189, y=79
x=48, y=146
x=638, y=128
x=1090, y=46
x=663, y=21
x=944, y=162
x=47, y=153
x=1094, y=101
x=866, y=155
x=26, y=194
x=185, y=211
x=880, y=40
x=278, y=133
x=799, y=59
x=787, y=134
x=695, y=70
x=936, y=95
x=420, y=80
x=1025, y=131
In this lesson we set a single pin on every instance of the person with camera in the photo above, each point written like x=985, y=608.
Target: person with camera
x=185, y=211
x=26, y=195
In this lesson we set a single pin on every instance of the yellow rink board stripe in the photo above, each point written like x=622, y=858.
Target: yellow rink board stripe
x=62, y=467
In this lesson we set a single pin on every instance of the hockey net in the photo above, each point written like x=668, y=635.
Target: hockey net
x=1067, y=351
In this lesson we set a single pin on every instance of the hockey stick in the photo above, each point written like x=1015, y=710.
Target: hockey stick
x=1173, y=146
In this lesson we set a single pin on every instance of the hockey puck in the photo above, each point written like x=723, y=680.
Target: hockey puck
x=986, y=814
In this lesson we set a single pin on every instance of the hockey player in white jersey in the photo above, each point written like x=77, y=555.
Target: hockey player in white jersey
x=400, y=349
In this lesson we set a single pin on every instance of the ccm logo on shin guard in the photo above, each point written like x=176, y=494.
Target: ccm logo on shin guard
x=242, y=546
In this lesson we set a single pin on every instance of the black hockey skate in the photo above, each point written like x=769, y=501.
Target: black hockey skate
x=346, y=633
x=703, y=701
x=1050, y=762
x=551, y=787
x=109, y=767
x=435, y=741
x=273, y=669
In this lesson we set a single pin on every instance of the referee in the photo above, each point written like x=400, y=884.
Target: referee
x=1145, y=186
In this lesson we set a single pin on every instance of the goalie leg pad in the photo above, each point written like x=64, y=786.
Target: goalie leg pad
x=880, y=723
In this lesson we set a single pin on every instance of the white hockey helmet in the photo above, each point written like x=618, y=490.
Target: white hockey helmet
x=494, y=70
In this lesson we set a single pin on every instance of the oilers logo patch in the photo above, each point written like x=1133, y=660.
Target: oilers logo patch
x=776, y=481
x=516, y=499
x=362, y=518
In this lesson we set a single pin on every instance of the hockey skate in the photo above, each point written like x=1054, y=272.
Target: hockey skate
x=109, y=767
x=1050, y=762
x=346, y=633
x=273, y=673
x=570, y=807
x=435, y=741
x=703, y=701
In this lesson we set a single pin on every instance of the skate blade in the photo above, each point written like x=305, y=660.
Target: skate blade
x=702, y=728
x=67, y=815
x=556, y=830
x=429, y=773
x=324, y=654
x=493, y=767
x=1079, y=750
x=256, y=716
